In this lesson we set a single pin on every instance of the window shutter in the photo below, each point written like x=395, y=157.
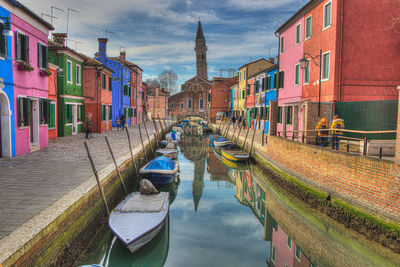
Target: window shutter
x=65, y=113
x=27, y=48
x=52, y=115
x=110, y=83
x=109, y=112
x=3, y=42
x=281, y=77
x=82, y=113
x=27, y=110
x=39, y=55
x=17, y=54
x=46, y=58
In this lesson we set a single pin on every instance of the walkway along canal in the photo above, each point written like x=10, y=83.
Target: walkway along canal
x=222, y=216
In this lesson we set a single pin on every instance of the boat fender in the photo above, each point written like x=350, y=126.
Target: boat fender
x=147, y=188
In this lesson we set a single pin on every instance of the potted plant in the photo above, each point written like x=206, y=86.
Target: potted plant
x=24, y=66
x=22, y=122
x=43, y=121
x=45, y=72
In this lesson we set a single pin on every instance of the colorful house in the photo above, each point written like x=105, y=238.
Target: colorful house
x=53, y=132
x=290, y=81
x=70, y=109
x=219, y=95
x=270, y=99
x=30, y=77
x=157, y=101
x=7, y=105
x=97, y=92
x=122, y=89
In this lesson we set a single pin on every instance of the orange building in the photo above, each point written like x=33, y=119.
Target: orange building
x=97, y=92
x=157, y=100
x=219, y=95
x=53, y=102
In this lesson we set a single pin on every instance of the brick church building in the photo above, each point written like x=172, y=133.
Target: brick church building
x=193, y=97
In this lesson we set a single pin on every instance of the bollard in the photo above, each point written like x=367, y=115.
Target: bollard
x=365, y=146
x=348, y=148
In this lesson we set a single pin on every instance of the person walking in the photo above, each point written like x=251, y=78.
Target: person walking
x=233, y=119
x=89, y=125
x=123, y=122
x=336, y=125
x=322, y=135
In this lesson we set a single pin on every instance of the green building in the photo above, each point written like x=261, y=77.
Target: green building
x=70, y=108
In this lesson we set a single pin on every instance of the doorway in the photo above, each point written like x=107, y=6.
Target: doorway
x=74, y=119
x=5, y=128
x=34, y=127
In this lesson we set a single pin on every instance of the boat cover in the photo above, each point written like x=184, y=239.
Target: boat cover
x=222, y=139
x=143, y=203
x=161, y=163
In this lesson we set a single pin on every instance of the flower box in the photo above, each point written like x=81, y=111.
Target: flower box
x=45, y=72
x=24, y=66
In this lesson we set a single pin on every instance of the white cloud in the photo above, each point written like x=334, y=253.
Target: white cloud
x=256, y=5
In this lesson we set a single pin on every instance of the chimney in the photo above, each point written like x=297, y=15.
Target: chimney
x=272, y=60
x=102, y=48
x=122, y=55
x=60, y=38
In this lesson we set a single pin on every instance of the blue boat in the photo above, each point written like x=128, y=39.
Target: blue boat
x=222, y=142
x=160, y=171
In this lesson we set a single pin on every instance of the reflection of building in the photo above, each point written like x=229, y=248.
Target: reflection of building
x=194, y=148
x=198, y=181
x=218, y=171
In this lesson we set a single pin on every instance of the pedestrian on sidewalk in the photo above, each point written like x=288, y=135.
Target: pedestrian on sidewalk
x=123, y=122
x=233, y=119
x=118, y=123
x=336, y=125
x=322, y=135
x=89, y=125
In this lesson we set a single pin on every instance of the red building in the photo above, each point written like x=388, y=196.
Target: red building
x=53, y=134
x=157, y=100
x=97, y=92
x=219, y=95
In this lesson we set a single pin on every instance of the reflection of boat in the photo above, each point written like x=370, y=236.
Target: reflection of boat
x=218, y=156
x=171, y=188
x=155, y=252
x=161, y=170
x=218, y=151
x=234, y=154
x=170, y=153
x=139, y=218
x=234, y=164
x=222, y=142
x=214, y=137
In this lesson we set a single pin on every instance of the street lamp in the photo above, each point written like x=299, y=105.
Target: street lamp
x=7, y=27
x=304, y=64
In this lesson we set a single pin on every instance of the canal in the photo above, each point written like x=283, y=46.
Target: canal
x=235, y=216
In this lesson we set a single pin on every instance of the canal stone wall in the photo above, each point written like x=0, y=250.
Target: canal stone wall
x=367, y=183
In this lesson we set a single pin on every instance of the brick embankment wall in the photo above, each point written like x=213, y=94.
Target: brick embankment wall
x=364, y=182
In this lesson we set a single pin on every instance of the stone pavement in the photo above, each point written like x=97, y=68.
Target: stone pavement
x=32, y=182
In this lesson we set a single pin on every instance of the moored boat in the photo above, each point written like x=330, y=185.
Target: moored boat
x=234, y=164
x=139, y=218
x=222, y=142
x=170, y=153
x=235, y=154
x=166, y=142
x=161, y=170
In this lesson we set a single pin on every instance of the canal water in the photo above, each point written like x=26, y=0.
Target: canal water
x=227, y=215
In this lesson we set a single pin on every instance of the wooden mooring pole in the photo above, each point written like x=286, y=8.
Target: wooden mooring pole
x=227, y=128
x=97, y=179
x=247, y=133
x=141, y=140
x=234, y=130
x=220, y=122
x=161, y=126
x=252, y=139
x=155, y=127
x=148, y=137
x=130, y=150
x=116, y=166
x=240, y=130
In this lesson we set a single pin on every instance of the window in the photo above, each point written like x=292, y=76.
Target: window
x=129, y=91
x=247, y=89
x=24, y=112
x=273, y=253
x=278, y=80
x=69, y=71
x=298, y=253
x=135, y=112
x=68, y=112
x=325, y=65
x=44, y=111
x=78, y=74
x=110, y=112
x=52, y=121
x=209, y=97
x=296, y=74
x=22, y=46
x=266, y=115
x=307, y=31
x=201, y=103
x=182, y=105
x=289, y=240
x=81, y=113
x=43, y=56
x=103, y=81
x=307, y=73
x=282, y=44
x=327, y=15
x=103, y=112
x=3, y=41
x=142, y=93
x=279, y=118
x=189, y=103
x=172, y=105
x=268, y=83
x=110, y=83
x=257, y=87
x=298, y=33
x=289, y=111
x=125, y=89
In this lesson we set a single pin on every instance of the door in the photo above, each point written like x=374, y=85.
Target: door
x=5, y=122
x=34, y=125
x=74, y=119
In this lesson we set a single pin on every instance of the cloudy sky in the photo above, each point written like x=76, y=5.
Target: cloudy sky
x=159, y=34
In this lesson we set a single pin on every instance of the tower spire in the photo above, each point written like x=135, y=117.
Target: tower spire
x=200, y=34
x=201, y=53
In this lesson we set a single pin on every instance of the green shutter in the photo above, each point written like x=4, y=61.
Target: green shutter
x=82, y=113
x=39, y=55
x=110, y=83
x=52, y=119
x=109, y=112
x=2, y=42
x=281, y=75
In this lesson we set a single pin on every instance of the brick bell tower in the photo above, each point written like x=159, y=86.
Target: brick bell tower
x=201, y=53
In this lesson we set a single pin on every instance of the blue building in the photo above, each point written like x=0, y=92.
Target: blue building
x=7, y=104
x=271, y=94
x=121, y=83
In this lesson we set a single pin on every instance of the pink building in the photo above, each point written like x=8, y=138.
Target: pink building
x=290, y=92
x=30, y=74
x=282, y=248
